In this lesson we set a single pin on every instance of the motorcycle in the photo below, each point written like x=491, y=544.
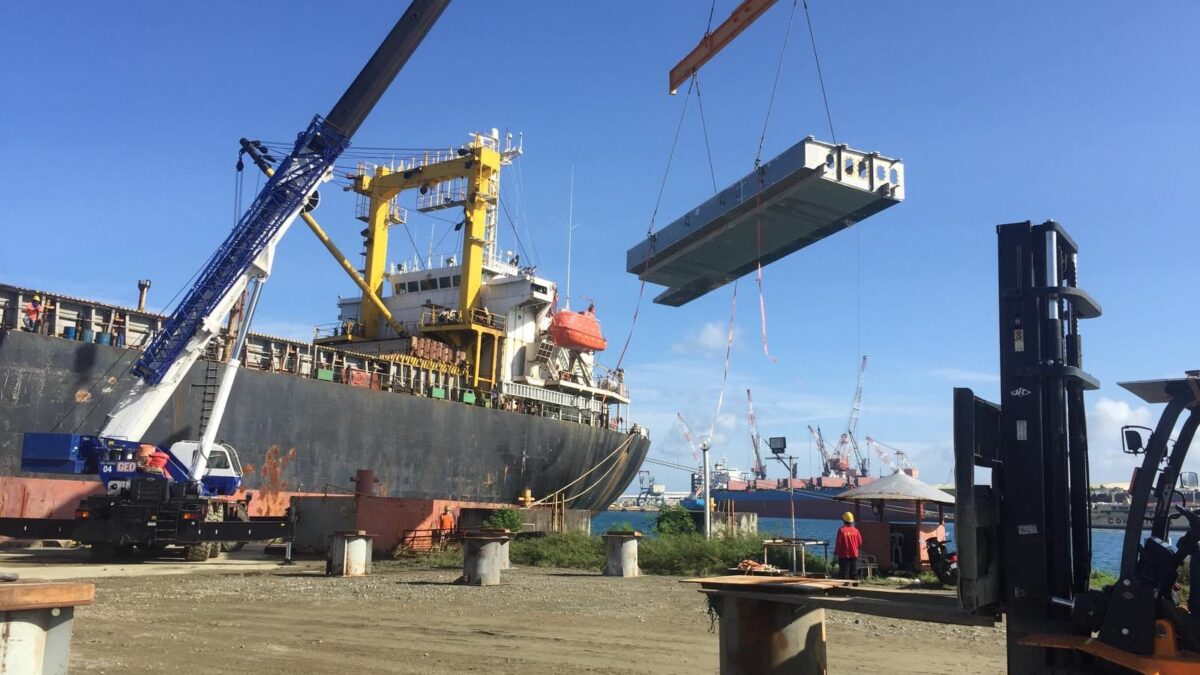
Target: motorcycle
x=943, y=561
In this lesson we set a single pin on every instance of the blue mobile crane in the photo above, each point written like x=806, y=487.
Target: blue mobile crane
x=185, y=504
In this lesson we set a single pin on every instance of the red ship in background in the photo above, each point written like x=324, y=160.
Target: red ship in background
x=842, y=467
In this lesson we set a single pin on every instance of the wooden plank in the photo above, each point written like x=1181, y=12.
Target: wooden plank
x=18, y=596
x=868, y=606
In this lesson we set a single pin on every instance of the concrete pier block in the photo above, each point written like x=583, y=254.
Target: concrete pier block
x=505, y=561
x=35, y=625
x=349, y=554
x=760, y=637
x=482, y=558
x=622, y=554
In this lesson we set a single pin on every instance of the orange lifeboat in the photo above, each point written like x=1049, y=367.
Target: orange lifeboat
x=577, y=330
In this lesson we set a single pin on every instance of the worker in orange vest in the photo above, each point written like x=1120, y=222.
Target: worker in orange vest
x=445, y=526
x=33, y=313
x=846, y=547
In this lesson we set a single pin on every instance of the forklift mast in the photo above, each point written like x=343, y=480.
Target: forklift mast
x=1025, y=534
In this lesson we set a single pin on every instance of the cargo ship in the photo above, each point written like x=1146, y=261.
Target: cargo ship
x=455, y=378
x=740, y=492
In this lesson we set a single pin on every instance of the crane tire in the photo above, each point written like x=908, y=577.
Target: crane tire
x=197, y=552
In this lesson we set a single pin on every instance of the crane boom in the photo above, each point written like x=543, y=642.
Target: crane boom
x=759, y=471
x=247, y=252
x=901, y=462
x=848, y=443
x=879, y=452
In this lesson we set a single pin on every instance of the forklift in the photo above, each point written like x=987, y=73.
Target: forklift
x=1022, y=516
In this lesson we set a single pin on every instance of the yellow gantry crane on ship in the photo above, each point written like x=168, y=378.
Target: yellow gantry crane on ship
x=470, y=178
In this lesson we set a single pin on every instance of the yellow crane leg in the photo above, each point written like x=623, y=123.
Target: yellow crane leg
x=358, y=279
x=368, y=293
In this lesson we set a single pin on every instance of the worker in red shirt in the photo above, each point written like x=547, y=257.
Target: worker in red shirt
x=33, y=313
x=846, y=547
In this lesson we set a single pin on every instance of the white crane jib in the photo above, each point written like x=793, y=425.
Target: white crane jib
x=132, y=416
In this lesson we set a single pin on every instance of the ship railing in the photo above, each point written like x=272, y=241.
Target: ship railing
x=428, y=540
x=436, y=315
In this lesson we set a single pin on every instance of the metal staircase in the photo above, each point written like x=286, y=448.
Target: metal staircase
x=212, y=381
x=280, y=200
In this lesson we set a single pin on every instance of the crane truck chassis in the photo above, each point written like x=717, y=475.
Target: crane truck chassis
x=140, y=511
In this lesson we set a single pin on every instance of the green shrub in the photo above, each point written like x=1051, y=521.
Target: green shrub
x=621, y=527
x=508, y=519
x=572, y=550
x=1101, y=579
x=675, y=520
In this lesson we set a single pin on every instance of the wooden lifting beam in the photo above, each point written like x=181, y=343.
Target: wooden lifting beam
x=712, y=43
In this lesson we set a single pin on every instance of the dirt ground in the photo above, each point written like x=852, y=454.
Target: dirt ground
x=267, y=619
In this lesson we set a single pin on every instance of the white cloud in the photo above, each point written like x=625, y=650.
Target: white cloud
x=711, y=337
x=1105, y=420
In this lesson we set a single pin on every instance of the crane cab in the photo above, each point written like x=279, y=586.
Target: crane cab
x=223, y=474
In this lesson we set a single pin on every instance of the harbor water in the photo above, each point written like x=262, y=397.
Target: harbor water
x=1106, y=544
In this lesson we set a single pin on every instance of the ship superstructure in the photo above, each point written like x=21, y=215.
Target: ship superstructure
x=478, y=309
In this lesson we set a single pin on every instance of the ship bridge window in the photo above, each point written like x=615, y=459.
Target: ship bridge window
x=429, y=284
x=401, y=288
x=413, y=287
x=444, y=282
x=538, y=288
x=458, y=280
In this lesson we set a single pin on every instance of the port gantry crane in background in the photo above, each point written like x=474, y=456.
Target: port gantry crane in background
x=848, y=443
x=758, y=470
x=895, y=458
x=182, y=505
x=831, y=465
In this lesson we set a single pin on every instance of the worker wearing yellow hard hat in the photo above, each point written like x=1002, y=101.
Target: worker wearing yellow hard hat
x=33, y=314
x=847, y=547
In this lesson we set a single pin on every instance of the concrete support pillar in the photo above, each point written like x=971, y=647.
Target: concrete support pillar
x=760, y=637
x=505, y=561
x=622, y=550
x=481, y=558
x=349, y=554
x=35, y=625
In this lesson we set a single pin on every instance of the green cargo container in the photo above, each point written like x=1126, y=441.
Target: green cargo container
x=323, y=374
x=469, y=397
x=437, y=392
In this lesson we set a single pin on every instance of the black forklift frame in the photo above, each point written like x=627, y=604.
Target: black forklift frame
x=1026, y=538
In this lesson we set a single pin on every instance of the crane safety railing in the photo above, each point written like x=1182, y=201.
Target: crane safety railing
x=280, y=199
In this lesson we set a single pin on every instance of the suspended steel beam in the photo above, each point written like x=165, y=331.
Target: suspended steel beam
x=714, y=42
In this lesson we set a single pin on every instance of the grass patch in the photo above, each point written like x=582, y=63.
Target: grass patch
x=677, y=555
x=1101, y=579
x=434, y=560
x=571, y=550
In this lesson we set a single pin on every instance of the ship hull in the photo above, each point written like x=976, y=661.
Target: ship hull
x=816, y=504
x=419, y=447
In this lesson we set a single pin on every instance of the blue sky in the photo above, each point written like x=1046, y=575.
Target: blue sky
x=122, y=120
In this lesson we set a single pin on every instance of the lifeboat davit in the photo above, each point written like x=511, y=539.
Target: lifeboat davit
x=577, y=330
